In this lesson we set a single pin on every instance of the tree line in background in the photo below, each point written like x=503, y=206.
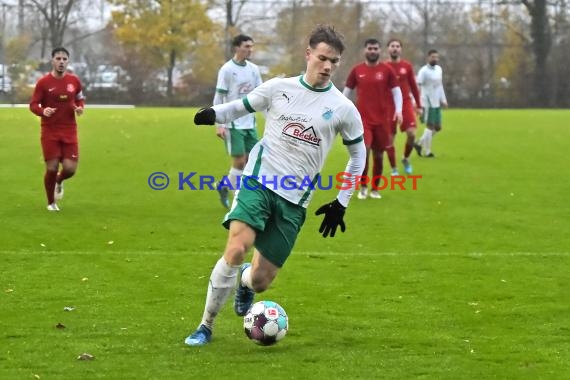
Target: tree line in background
x=495, y=53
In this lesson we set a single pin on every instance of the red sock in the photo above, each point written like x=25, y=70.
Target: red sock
x=63, y=175
x=391, y=155
x=408, y=149
x=49, y=184
x=378, y=166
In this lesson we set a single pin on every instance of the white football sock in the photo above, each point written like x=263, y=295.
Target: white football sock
x=222, y=282
x=427, y=141
x=233, y=177
x=423, y=138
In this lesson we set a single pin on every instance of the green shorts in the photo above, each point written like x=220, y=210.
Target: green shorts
x=240, y=141
x=432, y=116
x=276, y=221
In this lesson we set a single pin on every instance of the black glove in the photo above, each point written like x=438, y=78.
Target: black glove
x=206, y=116
x=334, y=213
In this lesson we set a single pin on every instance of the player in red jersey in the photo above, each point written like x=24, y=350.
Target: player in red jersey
x=57, y=98
x=377, y=95
x=407, y=80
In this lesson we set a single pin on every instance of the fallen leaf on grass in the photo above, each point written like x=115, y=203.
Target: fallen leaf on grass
x=86, y=356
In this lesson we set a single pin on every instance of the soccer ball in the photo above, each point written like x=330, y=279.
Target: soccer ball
x=265, y=323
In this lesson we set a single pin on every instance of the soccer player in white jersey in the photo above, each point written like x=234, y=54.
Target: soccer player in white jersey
x=430, y=81
x=237, y=78
x=304, y=115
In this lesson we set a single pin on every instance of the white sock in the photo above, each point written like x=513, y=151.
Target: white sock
x=233, y=177
x=423, y=138
x=246, y=278
x=222, y=282
x=427, y=141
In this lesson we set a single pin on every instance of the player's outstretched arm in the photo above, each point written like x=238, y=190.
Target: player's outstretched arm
x=334, y=218
x=222, y=113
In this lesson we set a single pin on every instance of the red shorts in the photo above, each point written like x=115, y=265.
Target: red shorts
x=408, y=119
x=60, y=143
x=376, y=137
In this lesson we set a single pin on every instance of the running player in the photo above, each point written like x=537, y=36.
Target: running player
x=57, y=99
x=407, y=81
x=304, y=115
x=237, y=78
x=379, y=101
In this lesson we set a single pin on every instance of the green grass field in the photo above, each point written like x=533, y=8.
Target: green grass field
x=465, y=278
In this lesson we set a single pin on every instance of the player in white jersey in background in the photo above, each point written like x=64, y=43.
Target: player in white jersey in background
x=237, y=78
x=430, y=82
x=304, y=115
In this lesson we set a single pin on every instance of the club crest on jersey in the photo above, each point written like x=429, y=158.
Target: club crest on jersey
x=70, y=87
x=327, y=115
x=299, y=132
x=403, y=71
x=379, y=76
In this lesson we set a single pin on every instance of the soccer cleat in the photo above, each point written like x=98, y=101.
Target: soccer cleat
x=374, y=194
x=407, y=166
x=52, y=207
x=394, y=172
x=58, y=193
x=430, y=155
x=363, y=193
x=244, y=295
x=200, y=337
x=418, y=149
x=224, y=193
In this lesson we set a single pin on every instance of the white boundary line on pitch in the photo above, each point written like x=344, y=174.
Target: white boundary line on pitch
x=111, y=251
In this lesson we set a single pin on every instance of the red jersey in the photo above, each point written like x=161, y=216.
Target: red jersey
x=61, y=93
x=407, y=80
x=373, y=91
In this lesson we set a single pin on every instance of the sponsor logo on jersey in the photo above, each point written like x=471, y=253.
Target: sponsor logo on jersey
x=245, y=88
x=286, y=96
x=70, y=87
x=299, y=132
x=295, y=118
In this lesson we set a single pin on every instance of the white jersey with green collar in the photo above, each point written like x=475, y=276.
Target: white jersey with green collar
x=301, y=125
x=235, y=81
x=430, y=81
